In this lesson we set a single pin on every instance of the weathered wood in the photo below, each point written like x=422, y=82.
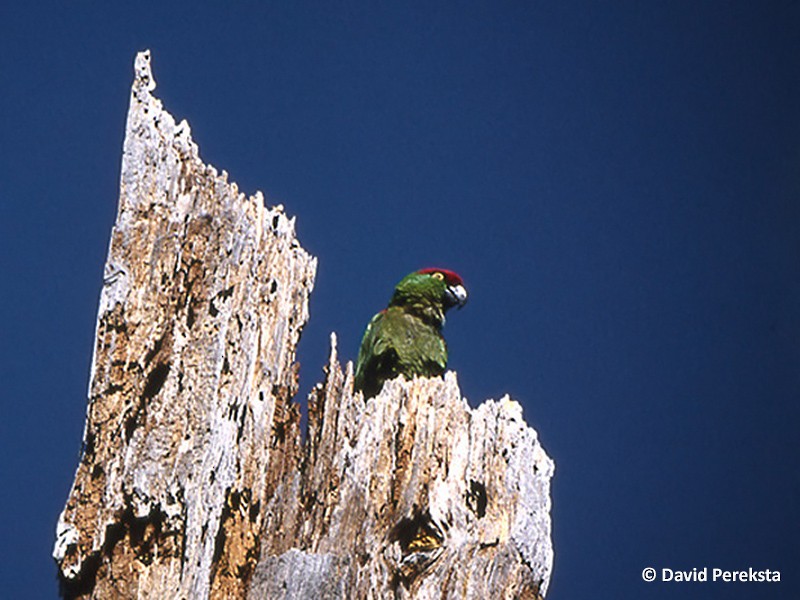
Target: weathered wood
x=409, y=495
x=194, y=481
x=204, y=297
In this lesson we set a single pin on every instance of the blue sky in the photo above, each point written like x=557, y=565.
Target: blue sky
x=618, y=186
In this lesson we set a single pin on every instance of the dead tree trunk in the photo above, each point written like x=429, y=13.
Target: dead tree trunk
x=193, y=481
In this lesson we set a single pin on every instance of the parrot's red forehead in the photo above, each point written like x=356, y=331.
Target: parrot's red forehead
x=451, y=277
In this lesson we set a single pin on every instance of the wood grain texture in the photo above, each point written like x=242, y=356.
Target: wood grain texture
x=204, y=297
x=411, y=494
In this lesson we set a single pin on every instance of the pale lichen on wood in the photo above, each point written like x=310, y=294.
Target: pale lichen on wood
x=194, y=481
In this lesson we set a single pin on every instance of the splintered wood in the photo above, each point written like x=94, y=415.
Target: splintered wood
x=411, y=494
x=193, y=480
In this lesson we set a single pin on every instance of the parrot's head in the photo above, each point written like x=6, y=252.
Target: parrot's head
x=430, y=292
x=447, y=283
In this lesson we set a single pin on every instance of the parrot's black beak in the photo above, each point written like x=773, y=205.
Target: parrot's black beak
x=456, y=295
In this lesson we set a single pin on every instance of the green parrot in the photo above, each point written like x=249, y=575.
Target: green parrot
x=406, y=338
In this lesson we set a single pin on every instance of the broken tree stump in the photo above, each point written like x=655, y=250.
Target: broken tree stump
x=194, y=480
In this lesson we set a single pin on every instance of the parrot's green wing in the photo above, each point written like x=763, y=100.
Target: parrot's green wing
x=375, y=358
x=395, y=343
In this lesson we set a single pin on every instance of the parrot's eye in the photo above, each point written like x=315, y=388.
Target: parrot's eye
x=439, y=276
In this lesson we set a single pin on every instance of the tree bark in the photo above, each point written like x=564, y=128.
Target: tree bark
x=194, y=480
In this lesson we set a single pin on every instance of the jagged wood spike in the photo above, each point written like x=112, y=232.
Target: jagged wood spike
x=204, y=297
x=193, y=481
